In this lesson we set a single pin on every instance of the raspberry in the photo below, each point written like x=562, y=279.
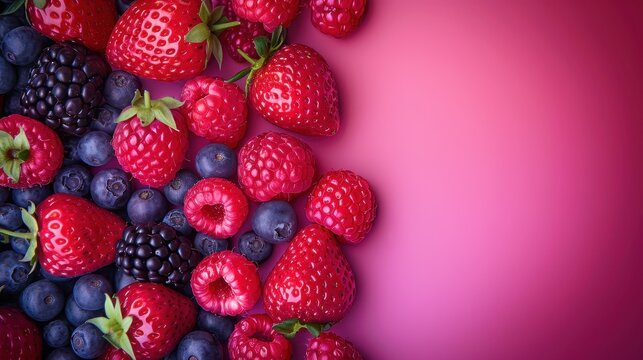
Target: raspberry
x=254, y=337
x=337, y=18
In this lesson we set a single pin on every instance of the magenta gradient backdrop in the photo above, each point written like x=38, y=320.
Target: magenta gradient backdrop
x=503, y=139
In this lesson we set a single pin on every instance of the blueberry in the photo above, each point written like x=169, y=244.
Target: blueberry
x=95, y=148
x=12, y=103
x=76, y=316
x=23, y=73
x=22, y=45
x=70, y=145
x=254, y=248
x=120, y=87
x=208, y=245
x=36, y=194
x=88, y=342
x=175, y=191
x=73, y=180
x=56, y=333
x=176, y=219
x=275, y=221
x=111, y=189
x=198, y=345
x=8, y=23
x=122, y=280
x=90, y=290
x=53, y=278
x=145, y=206
x=8, y=77
x=14, y=274
x=42, y=300
x=123, y=5
x=18, y=244
x=10, y=217
x=219, y=326
x=65, y=353
x=216, y=160
x=4, y=195
x=103, y=119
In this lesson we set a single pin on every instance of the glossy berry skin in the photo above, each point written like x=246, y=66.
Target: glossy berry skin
x=89, y=291
x=65, y=353
x=56, y=333
x=215, y=110
x=344, y=203
x=35, y=194
x=122, y=280
x=120, y=87
x=242, y=36
x=254, y=338
x=73, y=180
x=177, y=220
x=88, y=23
x=19, y=245
x=226, y=283
x=45, y=152
x=296, y=91
x=176, y=189
x=145, y=206
x=87, y=341
x=103, y=119
x=14, y=274
x=219, y=326
x=77, y=316
x=275, y=166
x=312, y=274
x=216, y=207
x=111, y=189
x=10, y=217
x=22, y=45
x=217, y=161
x=275, y=221
x=208, y=245
x=271, y=13
x=42, y=300
x=20, y=338
x=8, y=23
x=95, y=148
x=199, y=345
x=8, y=76
x=329, y=346
x=254, y=248
x=337, y=18
x=70, y=147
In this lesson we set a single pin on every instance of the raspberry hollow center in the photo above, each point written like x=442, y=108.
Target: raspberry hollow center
x=215, y=212
x=219, y=289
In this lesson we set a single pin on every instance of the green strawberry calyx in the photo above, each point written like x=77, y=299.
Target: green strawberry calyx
x=40, y=4
x=289, y=328
x=212, y=24
x=114, y=326
x=29, y=219
x=148, y=110
x=14, y=151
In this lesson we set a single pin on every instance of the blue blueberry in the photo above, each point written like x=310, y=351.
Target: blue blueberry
x=8, y=77
x=54, y=278
x=175, y=191
x=216, y=160
x=90, y=290
x=208, y=245
x=119, y=89
x=42, y=300
x=254, y=248
x=36, y=194
x=111, y=189
x=4, y=195
x=70, y=145
x=199, y=345
x=8, y=23
x=219, y=326
x=56, y=333
x=76, y=316
x=145, y=206
x=275, y=221
x=95, y=148
x=14, y=274
x=104, y=119
x=88, y=342
x=122, y=280
x=23, y=73
x=10, y=217
x=22, y=45
x=176, y=219
x=65, y=353
x=12, y=102
x=73, y=180
x=123, y=5
x=18, y=244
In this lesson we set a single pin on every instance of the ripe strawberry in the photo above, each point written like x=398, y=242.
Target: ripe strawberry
x=20, y=338
x=215, y=110
x=337, y=18
x=242, y=36
x=275, y=166
x=152, y=151
x=329, y=346
x=30, y=152
x=271, y=13
x=226, y=283
x=167, y=40
x=344, y=203
x=146, y=320
x=87, y=22
x=312, y=284
x=113, y=353
x=254, y=335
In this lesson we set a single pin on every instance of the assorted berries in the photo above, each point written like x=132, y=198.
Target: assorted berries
x=255, y=337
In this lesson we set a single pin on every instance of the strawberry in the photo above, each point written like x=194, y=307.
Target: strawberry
x=271, y=13
x=312, y=285
x=167, y=40
x=145, y=320
x=87, y=22
x=30, y=152
x=215, y=110
x=226, y=283
x=329, y=346
x=337, y=18
x=275, y=166
x=344, y=203
x=242, y=36
x=254, y=335
x=113, y=353
x=152, y=151
x=20, y=338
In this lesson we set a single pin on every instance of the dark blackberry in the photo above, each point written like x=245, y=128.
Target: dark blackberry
x=64, y=86
x=156, y=253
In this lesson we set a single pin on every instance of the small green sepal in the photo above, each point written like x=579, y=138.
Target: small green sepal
x=14, y=7
x=289, y=328
x=29, y=219
x=114, y=326
x=212, y=24
x=148, y=110
x=14, y=151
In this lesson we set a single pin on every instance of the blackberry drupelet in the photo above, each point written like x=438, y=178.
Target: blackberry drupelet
x=156, y=253
x=64, y=86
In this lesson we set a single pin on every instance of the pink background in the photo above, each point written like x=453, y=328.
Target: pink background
x=504, y=141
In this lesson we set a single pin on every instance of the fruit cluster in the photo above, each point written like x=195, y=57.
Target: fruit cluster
x=110, y=247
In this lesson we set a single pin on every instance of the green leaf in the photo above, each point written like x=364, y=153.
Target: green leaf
x=6, y=140
x=171, y=102
x=127, y=114
x=217, y=15
x=20, y=141
x=289, y=328
x=146, y=116
x=204, y=12
x=13, y=7
x=40, y=4
x=137, y=97
x=239, y=75
x=12, y=170
x=29, y=220
x=165, y=116
x=217, y=50
x=261, y=44
x=2, y=288
x=198, y=34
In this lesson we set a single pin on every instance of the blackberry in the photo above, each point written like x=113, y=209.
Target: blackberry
x=64, y=86
x=156, y=253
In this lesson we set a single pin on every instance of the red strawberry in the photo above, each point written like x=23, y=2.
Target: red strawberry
x=113, y=353
x=215, y=110
x=167, y=40
x=242, y=36
x=254, y=338
x=271, y=13
x=20, y=338
x=275, y=166
x=71, y=235
x=146, y=320
x=344, y=203
x=312, y=284
x=329, y=346
x=337, y=18
x=226, y=283
x=87, y=22
x=30, y=152
x=216, y=207
x=152, y=151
